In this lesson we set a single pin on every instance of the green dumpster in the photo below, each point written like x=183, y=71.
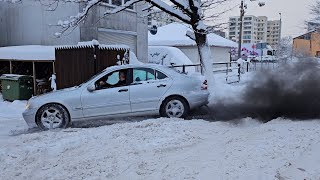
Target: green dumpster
x=16, y=87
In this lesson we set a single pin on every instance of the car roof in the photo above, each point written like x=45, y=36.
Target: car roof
x=147, y=65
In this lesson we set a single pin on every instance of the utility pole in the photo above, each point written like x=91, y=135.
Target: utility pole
x=243, y=6
x=280, y=27
x=241, y=24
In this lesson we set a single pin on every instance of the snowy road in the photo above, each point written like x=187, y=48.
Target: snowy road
x=160, y=149
x=164, y=149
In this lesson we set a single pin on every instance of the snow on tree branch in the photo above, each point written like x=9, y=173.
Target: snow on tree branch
x=315, y=11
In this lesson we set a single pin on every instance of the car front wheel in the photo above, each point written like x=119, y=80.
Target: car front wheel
x=174, y=107
x=52, y=116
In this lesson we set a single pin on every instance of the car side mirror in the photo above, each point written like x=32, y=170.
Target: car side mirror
x=91, y=88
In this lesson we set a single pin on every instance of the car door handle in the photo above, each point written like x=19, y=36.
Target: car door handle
x=161, y=85
x=123, y=90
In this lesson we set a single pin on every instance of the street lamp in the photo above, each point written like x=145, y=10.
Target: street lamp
x=243, y=6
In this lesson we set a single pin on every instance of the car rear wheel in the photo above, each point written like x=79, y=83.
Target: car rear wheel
x=52, y=116
x=174, y=107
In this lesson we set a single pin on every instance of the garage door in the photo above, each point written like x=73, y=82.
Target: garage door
x=109, y=38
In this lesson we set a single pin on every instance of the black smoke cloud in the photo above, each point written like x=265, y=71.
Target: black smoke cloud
x=290, y=91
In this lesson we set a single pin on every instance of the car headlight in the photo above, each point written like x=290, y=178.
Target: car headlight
x=28, y=105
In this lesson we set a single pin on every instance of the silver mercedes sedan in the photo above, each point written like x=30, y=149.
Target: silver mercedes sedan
x=127, y=90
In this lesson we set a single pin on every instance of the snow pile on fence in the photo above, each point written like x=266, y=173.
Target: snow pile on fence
x=174, y=34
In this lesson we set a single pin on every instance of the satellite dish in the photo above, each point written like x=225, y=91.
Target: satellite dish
x=154, y=30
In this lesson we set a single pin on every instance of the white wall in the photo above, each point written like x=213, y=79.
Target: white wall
x=27, y=22
x=31, y=23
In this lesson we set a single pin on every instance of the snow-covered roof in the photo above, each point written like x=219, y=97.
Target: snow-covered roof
x=29, y=52
x=92, y=43
x=174, y=34
x=46, y=53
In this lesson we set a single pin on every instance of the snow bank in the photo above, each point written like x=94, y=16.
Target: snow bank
x=165, y=55
x=174, y=34
x=11, y=118
x=134, y=59
x=160, y=148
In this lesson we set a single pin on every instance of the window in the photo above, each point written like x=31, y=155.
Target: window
x=246, y=37
x=143, y=74
x=117, y=3
x=160, y=75
x=113, y=79
x=130, y=7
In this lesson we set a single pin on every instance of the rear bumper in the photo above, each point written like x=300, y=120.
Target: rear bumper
x=198, y=99
x=29, y=117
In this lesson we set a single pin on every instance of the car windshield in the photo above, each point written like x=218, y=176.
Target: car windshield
x=92, y=78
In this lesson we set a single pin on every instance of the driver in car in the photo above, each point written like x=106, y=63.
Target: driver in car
x=122, y=81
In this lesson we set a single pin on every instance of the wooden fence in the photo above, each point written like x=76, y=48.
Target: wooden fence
x=76, y=64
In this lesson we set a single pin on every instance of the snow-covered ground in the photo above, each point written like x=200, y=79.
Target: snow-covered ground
x=161, y=148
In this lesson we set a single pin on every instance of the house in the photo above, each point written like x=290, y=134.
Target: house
x=174, y=35
x=32, y=22
x=307, y=44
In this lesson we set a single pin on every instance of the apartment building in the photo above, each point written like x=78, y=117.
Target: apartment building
x=255, y=30
x=273, y=33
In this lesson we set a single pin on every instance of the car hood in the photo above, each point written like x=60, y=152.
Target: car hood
x=54, y=94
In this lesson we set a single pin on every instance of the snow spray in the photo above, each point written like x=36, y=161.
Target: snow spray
x=290, y=91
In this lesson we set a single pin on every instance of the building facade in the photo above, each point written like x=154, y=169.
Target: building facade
x=31, y=23
x=273, y=33
x=307, y=45
x=255, y=30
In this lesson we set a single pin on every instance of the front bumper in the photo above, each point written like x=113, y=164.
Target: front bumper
x=29, y=116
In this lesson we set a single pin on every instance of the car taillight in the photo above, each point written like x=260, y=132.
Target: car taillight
x=204, y=85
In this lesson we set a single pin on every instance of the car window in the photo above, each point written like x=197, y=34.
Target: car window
x=143, y=74
x=160, y=75
x=113, y=79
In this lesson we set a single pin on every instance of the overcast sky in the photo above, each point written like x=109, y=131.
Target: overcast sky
x=294, y=13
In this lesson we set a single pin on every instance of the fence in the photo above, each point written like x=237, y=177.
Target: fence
x=231, y=69
x=76, y=64
x=255, y=66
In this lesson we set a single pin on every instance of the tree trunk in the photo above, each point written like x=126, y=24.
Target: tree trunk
x=206, y=59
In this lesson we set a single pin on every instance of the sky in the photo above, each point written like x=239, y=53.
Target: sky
x=294, y=13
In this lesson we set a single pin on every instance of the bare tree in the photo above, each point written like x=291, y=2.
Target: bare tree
x=190, y=12
x=315, y=11
x=314, y=22
x=285, y=47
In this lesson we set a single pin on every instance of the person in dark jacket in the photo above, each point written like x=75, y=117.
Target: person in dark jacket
x=122, y=81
